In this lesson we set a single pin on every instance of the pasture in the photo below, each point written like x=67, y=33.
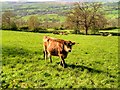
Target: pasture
x=93, y=63
x=48, y=17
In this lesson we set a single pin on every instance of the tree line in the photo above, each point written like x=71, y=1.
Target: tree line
x=83, y=17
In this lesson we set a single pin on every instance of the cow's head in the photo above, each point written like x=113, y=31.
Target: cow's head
x=68, y=46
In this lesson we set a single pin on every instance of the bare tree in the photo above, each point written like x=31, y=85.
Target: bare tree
x=73, y=20
x=87, y=15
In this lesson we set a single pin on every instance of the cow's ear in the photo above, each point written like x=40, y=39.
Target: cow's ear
x=73, y=43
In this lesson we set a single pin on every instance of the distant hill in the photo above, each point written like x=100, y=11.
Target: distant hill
x=61, y=7
x=41, y=8
x=89, y=0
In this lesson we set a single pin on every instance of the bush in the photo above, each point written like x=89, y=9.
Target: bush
x=56, y=28
x=62, y=28
x=110, y=28
x=13, y=26
x=76, y=32
x=56, y=32
x=42, y=28
x=45, y=31
x=5, y=28
x=24, y=28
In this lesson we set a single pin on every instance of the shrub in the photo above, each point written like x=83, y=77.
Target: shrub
x=76, y=32
x=45, y=31
x=56, y=28
x=42, y=28
x=110, y=28
x=61, y=28
x=56, y=32
x=14, y=26
x=24, y=28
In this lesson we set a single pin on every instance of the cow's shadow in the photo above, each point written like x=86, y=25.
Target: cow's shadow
x=82, y=67
x=92, y=70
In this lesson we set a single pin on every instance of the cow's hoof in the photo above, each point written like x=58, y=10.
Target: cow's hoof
x=65, y=66
x=50, y=61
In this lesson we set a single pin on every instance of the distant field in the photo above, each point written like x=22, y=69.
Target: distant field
x=47, y=16
x=93, y=63
x=111, y=31
x=112, y=14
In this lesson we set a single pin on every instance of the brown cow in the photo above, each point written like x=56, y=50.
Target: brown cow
x=56, y=47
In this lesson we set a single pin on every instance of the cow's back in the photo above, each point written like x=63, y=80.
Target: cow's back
x=54, y=47
x=46, y=40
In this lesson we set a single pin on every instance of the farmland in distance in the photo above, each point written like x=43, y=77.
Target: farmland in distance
x=93, y=63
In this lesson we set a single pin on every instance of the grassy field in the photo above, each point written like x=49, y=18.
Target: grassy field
x=47, y=16
x=93, y=63
x=111, y=31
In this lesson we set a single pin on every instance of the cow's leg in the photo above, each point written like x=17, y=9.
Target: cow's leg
x=49, y=55
x=45, y=51
x=50, y=58
x=63, y=62
x=45, y=54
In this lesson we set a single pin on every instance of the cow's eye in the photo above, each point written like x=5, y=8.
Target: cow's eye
x=70, y=44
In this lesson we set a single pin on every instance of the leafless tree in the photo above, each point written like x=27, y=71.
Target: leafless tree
x=87, y=15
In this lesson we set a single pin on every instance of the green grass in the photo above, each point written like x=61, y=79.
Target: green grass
x=111, y=31
x=112, y=16
x=93, y=63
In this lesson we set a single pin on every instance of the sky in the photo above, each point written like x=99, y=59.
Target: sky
x=57, y=0
x=28, y=0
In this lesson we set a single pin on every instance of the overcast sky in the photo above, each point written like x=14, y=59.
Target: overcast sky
x=58, y=0
x=28, y=0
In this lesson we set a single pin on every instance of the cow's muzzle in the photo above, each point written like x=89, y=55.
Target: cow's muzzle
x=69, y=50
